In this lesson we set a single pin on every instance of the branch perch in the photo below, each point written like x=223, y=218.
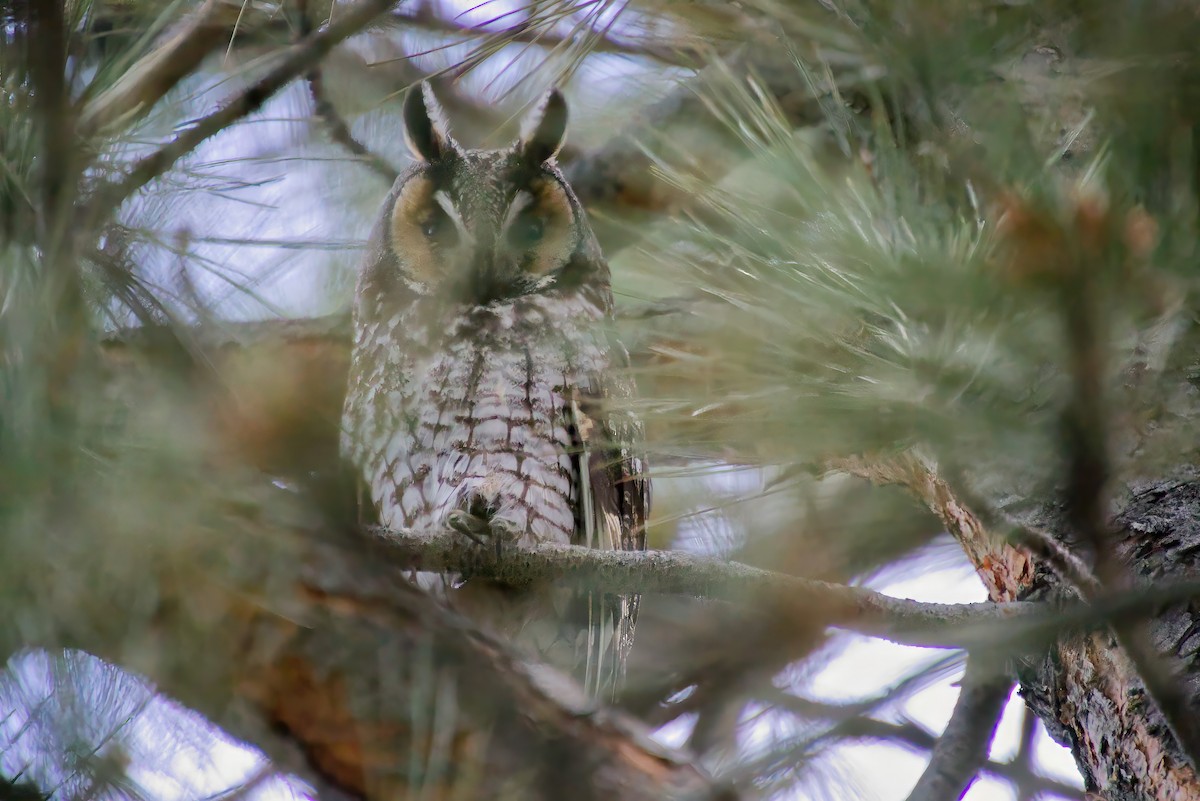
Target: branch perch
x=1011, y=626
x=673, y=572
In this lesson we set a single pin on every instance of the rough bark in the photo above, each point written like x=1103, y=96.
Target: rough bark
x=1086, y=689
x=1087, y=692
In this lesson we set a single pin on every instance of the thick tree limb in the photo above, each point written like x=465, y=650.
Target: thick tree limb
x=1085, y=431
x=1116, y=737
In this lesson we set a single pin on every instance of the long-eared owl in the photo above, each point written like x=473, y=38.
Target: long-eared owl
x=482, y=378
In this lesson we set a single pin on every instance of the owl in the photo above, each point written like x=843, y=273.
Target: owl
x=481, y=380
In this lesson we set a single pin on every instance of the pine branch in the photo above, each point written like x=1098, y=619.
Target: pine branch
x=674, y=572
x=963, y=747
x=295, y=64
x=337, y=127
x=423, y=18
x=622, y=183
x=1024, y=780
x=180, y=52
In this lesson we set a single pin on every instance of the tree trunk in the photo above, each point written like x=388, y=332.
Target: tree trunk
x=1087, y=692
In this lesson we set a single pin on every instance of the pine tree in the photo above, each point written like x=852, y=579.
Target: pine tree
x=907, y=281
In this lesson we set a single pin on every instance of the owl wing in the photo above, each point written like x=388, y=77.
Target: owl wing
x=614, y=504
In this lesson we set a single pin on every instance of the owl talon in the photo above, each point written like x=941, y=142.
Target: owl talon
x=504, y=532
x=471, y=526
x=505, y=529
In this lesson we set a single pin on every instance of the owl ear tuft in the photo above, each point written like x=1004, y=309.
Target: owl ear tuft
x=425, y=128
x=545, y=130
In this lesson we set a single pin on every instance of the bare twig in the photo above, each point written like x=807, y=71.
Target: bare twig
x=911, y=734
x=248, y=786
x=854, y=722
x=298, y=61
x=425, y=19
x=337, y=127
x=1025, y=779
x=963, y=747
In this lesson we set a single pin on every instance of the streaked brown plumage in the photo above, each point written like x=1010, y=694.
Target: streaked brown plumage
x=480, y=373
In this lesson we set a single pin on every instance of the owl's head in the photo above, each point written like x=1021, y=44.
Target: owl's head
x=482, y=226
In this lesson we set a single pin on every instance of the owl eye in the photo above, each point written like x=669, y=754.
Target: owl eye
x=525, y=232
x=438, y=228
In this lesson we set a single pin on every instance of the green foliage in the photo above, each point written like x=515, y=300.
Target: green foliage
x=877, y=303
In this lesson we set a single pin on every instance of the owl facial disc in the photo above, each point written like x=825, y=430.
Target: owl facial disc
x=483, y=226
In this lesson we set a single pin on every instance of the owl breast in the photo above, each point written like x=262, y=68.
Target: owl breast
x=471, y=411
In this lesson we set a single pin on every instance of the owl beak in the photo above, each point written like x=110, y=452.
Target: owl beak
x=492, y=278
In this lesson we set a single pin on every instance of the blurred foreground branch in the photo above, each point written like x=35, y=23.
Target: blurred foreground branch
x=330, y=662
x=623, y=185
